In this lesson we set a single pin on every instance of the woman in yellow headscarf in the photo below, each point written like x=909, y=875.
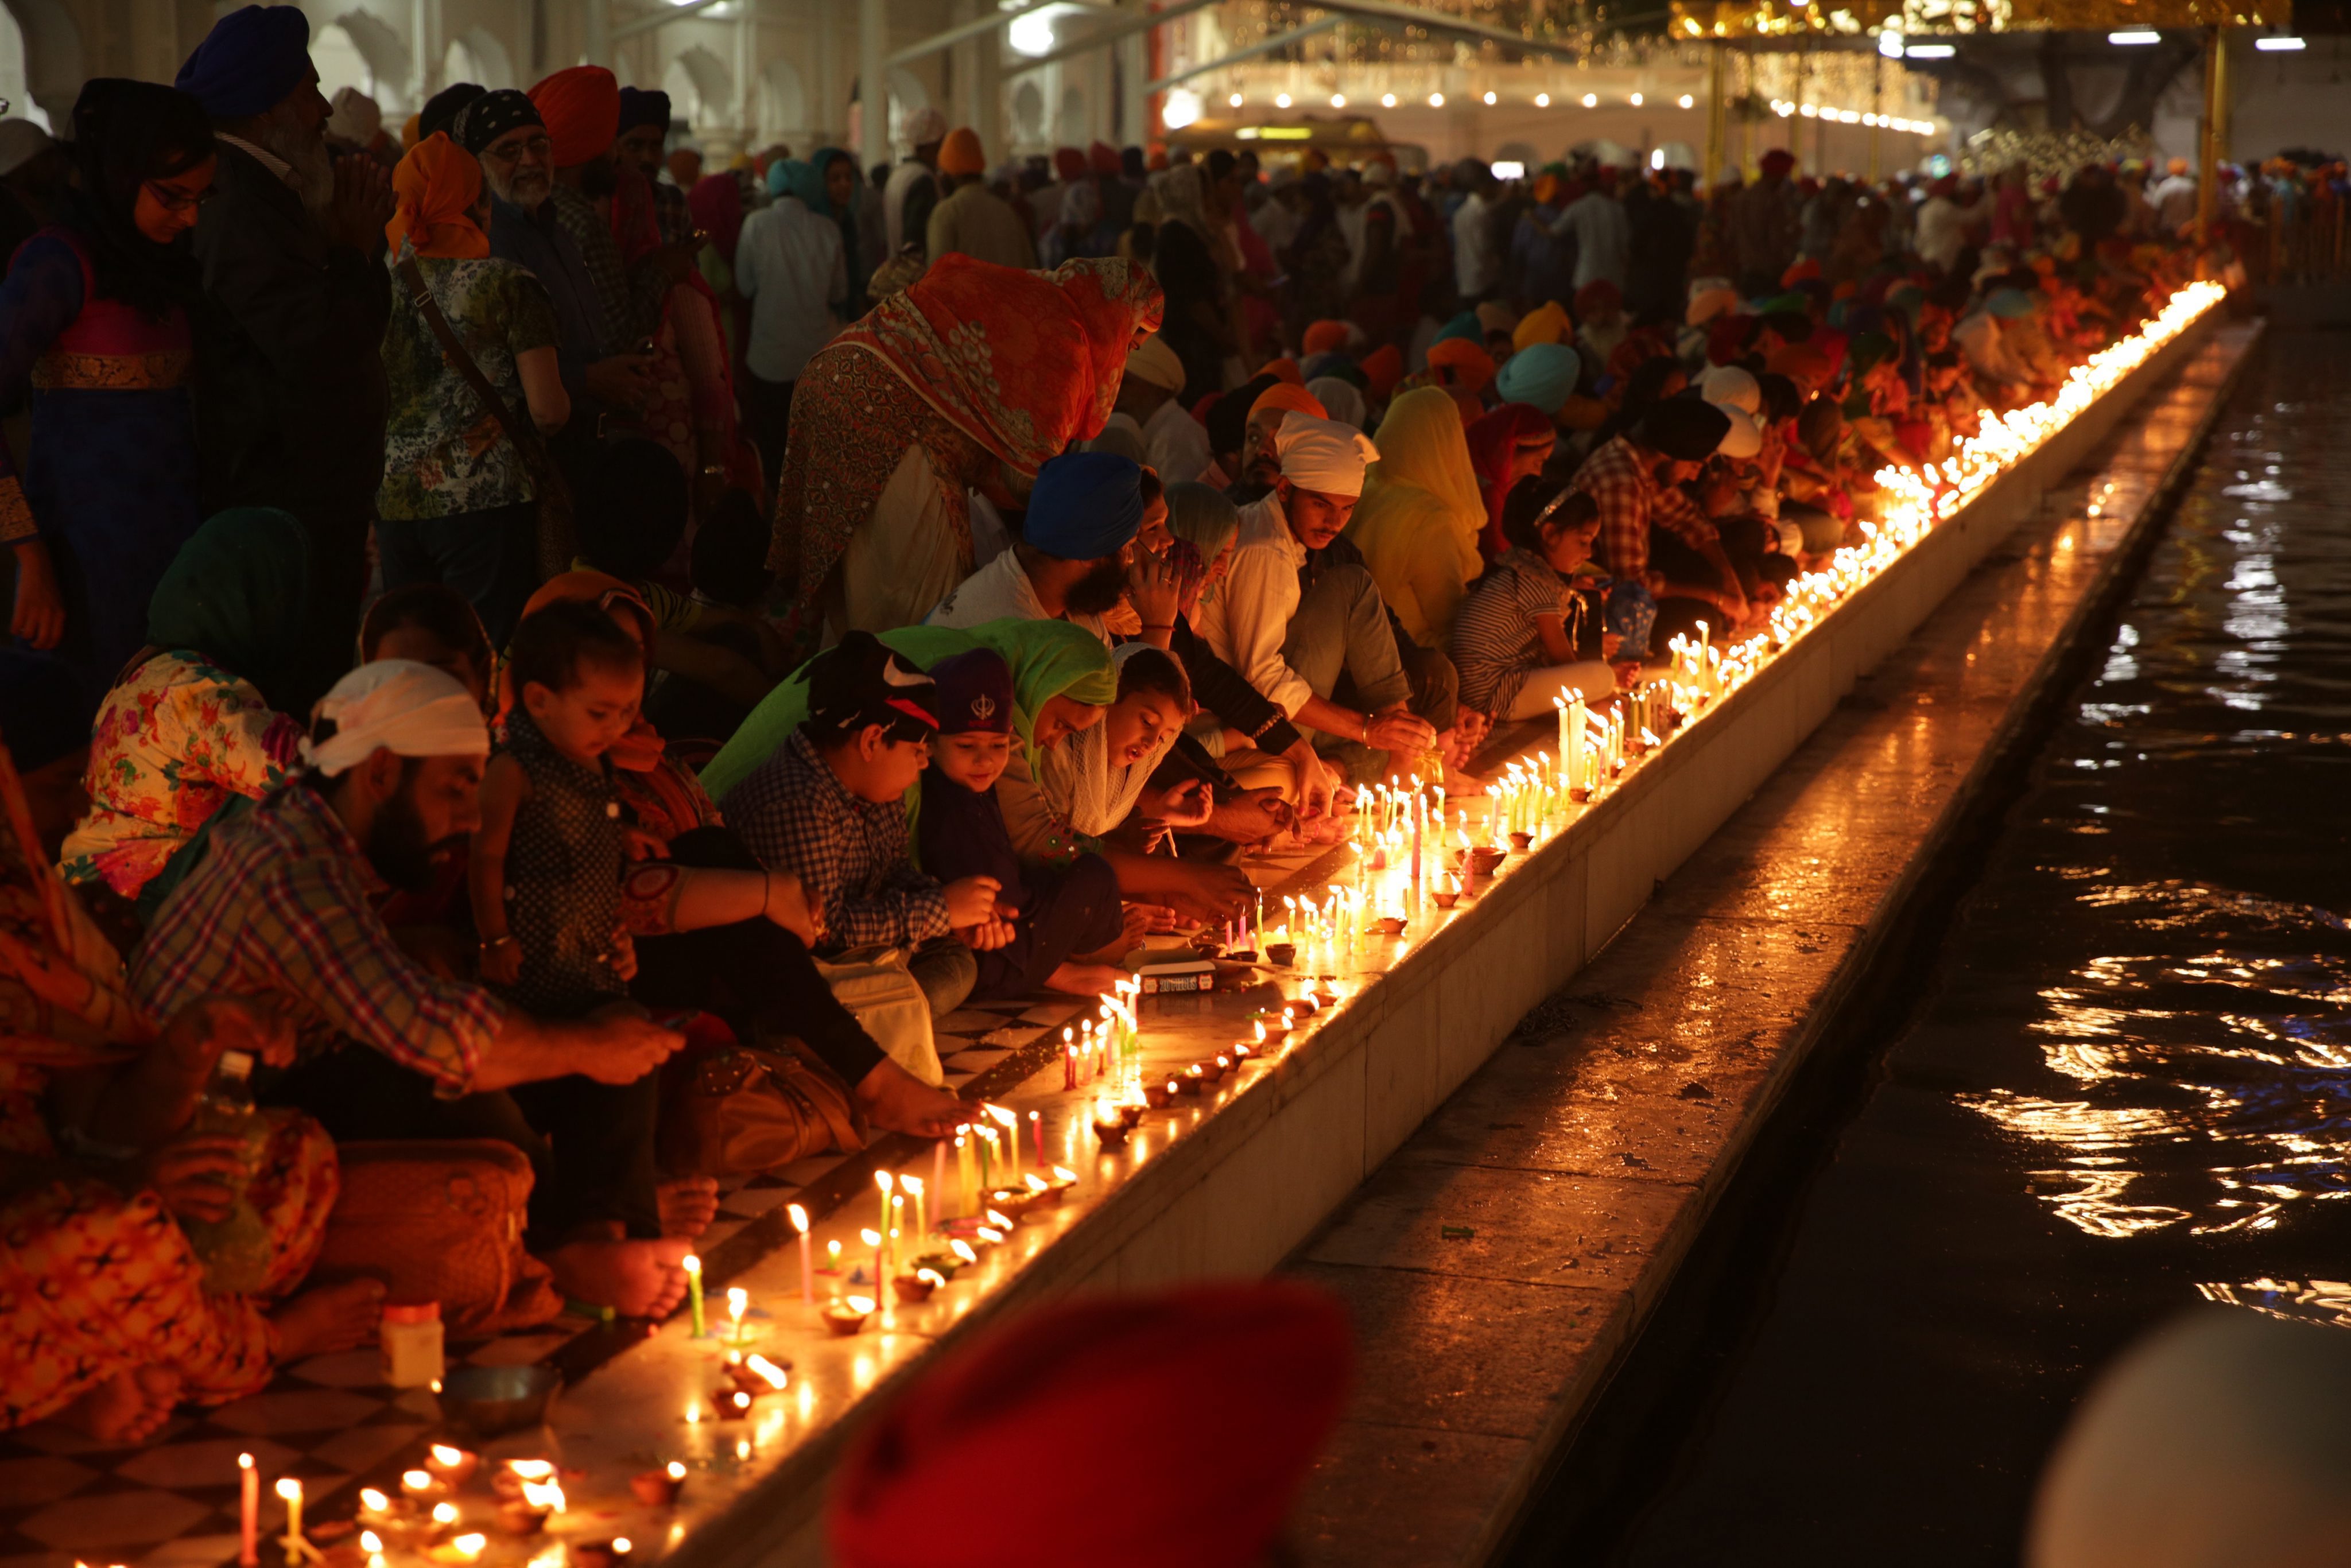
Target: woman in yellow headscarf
x=1421, y=513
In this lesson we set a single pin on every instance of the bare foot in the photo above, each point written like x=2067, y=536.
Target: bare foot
x=1085, y=980
x=1460, y=784
x=895, y=1101
x=688, y=1205
x=327, y=1318
x=129, y=1407
x=636, y=1279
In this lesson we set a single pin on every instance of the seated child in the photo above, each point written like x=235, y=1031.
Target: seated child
x=1065, y=910
x=547, y=860
x=830, y=806
x=1526, y=630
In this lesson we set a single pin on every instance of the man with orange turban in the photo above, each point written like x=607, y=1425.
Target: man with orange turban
x=1459, y=361
x=973, y=220
x=1194, y=1417
x=580, y=109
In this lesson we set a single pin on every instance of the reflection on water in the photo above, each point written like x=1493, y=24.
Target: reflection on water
x=2127, y=1087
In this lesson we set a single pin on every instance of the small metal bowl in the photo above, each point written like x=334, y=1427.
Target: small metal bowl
x=489, y=1400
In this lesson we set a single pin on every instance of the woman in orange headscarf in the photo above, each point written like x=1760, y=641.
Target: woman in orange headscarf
x=969, y=380
x=458, y=503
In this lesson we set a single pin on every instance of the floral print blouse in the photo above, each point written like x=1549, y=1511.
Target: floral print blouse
x=171, y=744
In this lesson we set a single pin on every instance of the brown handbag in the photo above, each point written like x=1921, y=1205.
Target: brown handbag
x=441, y=1220
x=739, y=1110
x=558, y=536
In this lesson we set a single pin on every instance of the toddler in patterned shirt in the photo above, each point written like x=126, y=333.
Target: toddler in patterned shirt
x=547, y=861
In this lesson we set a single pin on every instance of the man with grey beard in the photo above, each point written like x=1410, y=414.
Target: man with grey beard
x=291, y=394
x=505, y=132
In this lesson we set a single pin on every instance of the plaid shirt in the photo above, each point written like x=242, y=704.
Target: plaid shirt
x=283, y=907
x=1631, y=502
x=852, y=854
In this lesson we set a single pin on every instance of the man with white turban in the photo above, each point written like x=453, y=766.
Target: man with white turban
x=283, y=909
x=1150, y=398
x=1297, y=612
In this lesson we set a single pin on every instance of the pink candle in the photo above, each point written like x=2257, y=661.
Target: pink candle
x=807, y=1266
x=248, y=1480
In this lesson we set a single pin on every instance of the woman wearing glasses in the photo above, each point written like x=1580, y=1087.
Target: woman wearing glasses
x=93, y=325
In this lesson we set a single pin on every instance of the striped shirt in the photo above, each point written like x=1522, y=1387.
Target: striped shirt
x=1495, y=644
x=283, y=907
x=1631, y=502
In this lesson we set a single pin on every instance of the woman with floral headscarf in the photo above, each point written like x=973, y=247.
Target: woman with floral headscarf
x=969, y=380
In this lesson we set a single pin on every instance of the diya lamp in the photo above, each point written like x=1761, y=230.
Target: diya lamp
x=1192, y=1080
x=527, y=1514
x=419, y=1487
x=508, y=1481
x=463, y=1549
x=732, y=1402
x=449, y=1466
x=1388, y=926
x=658, y=1489
x=847, y=1315
x=1281, y=952
x=1131, y=1113
x=1225, y=1061
x=1064, y=1180
x=915, y=1288
x=1110, y=1126
x=612, y=1553
x=1520, y=841
x=1158, y=1096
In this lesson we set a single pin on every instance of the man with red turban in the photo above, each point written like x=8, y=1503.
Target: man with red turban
x=1193, y=1417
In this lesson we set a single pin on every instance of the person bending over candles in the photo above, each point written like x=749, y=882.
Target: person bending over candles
x=283, y=909
x=1066, y=910
x=1528, y=629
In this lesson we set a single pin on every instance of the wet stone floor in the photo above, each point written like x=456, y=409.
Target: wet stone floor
x=2125, y=1085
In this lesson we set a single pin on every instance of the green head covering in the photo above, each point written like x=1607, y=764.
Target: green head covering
x=239, y=593
x=1048, y=659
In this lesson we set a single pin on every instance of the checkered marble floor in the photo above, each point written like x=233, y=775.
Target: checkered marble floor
x=172, y=1503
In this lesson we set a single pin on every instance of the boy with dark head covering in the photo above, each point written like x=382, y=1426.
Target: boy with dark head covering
x=1064, y=910
x=830, y=807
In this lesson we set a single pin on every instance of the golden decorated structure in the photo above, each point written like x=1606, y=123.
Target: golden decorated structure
x=1778, y=20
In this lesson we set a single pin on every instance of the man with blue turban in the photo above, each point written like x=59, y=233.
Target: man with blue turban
x=1071, y=562
x=289, y=377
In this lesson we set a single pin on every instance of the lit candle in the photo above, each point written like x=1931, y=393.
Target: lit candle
x=940, y=1172
x=693, y=1267
x=832, y=1257
x=1037, y=1127
x=738, y=1300
x=913, y=1185
x=882, y=1181
x=1012, y=1141
x=248, y=1486
x=808, y=1265
x=291, y=1490
x=873, y=1239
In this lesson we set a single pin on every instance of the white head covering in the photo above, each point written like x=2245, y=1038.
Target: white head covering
x=926, y=124
x=1732, y=387
x=1323, y=454
x=354, y=117
x=1745, y=438
x=400, y=706
x=1154, y=362
x=1341, y=397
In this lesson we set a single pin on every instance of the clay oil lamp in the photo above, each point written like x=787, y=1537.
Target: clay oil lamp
x=658, y=1489
x=1110, y=1126
x=612, y=1553
x=526, y=1514
x=1159, y=1096
x=847, y=1315
x=1281, y=952
x=915, y=1289
x=1387, y=925
x=449, y=1466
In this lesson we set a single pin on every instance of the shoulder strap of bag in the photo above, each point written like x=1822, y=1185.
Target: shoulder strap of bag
x=453, y=350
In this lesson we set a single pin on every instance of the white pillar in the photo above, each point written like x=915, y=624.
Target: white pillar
x=425, y=48
x=873, y=82
x=596, y=35
x=828, y=77
x=747, y=104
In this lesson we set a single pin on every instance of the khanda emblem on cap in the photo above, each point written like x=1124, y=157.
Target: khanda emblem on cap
x=983, y=708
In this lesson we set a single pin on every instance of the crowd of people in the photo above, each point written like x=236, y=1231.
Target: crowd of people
x=488, y=592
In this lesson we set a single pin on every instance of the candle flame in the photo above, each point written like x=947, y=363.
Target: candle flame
x=444, y=1454
x=244, y=1461
x=930, y=1276
x=998, y=1220
x=881, y=1180
x=799, y=1217
x=290, y=1488
x=531, y=1469
x=859, y=1304
x=471, y=1545
x=415, y=1481
x=620, y=1545
x=690, y=1264
x=547, y=1494
x=871, y=1237
x=373, y=1500
x=768, y=1370
x=370, y=1542
x=962, y=1249
x=1036, y=1183
x=913, y=1184
x=676, y=1471
x=742, y=1400
x=694, y=1415
x=991, y=1236
x=738, y=1301
x=444, y=1513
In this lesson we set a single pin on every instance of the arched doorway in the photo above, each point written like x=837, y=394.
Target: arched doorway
x=44, y=66
x=477, y=56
